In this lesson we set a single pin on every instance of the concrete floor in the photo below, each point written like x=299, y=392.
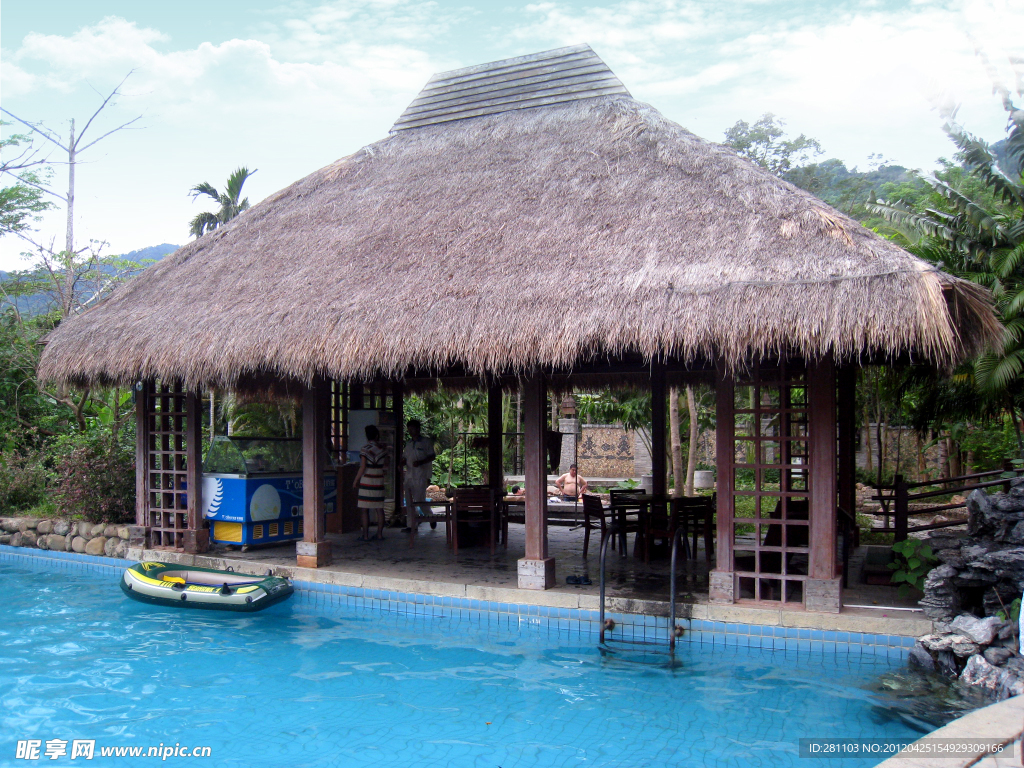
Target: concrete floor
x=426, y=557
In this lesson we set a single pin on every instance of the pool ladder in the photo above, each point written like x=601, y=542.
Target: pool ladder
x=673, y=631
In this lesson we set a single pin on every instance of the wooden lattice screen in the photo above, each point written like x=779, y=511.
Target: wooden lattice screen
x=169, y=445
x=770, y=490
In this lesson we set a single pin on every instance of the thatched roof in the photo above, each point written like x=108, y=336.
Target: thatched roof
x=532, y=237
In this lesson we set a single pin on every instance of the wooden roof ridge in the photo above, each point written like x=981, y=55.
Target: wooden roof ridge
x=523, y=82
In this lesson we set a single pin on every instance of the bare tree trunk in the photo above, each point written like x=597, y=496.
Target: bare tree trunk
x=869, y=456
x=691, y=453
x=943, y=458
x=67, y=300
x=922, y=466
x=676, y=441
x=955, y=465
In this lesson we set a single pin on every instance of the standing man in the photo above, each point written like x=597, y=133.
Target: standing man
x=419, y=461
x=571, y=485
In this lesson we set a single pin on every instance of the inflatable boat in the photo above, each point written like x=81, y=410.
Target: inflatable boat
x=186, y=587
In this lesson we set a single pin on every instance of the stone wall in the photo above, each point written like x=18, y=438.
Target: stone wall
x=65, y=536
x=606, y=450
x=981, y=572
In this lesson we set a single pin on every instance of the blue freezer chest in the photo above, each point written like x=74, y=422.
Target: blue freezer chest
x=262, y=509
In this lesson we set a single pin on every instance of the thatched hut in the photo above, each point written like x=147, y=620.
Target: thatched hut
x=527, y=219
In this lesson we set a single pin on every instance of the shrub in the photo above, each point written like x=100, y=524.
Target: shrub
x=96, y=477
x=23, y=478
x=914, y=560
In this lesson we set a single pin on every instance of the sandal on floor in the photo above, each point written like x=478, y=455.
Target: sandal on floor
x=585, y=580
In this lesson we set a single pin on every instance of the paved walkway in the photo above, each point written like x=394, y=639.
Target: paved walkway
x=428, y=566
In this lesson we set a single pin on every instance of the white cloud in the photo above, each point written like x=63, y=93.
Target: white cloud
x=314, y=81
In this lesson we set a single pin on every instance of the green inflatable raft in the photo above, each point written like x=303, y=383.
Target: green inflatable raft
x=186, y=587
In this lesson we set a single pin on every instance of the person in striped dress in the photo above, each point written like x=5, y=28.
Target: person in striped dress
x=369, y=482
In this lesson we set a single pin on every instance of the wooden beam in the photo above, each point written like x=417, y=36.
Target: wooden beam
x=659, y=461
x=535, y=418
x=847, y=393
x=313, y=551
x=142, y=408
x=495, y=469
x=725, y=457
x=821, y=417
x=398, y=406
x=197, y=535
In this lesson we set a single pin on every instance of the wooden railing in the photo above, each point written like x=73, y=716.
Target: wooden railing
x=899, y=496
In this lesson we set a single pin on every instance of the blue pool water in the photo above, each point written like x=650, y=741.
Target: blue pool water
x=296, y=687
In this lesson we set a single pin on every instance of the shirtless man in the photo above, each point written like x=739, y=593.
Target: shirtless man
x=571, y=485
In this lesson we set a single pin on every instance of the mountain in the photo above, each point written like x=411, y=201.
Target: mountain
x=36, y=303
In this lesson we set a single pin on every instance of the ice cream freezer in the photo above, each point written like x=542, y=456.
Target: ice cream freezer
x=252, y=490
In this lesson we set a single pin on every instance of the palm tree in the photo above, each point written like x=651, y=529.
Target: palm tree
x=230, y=203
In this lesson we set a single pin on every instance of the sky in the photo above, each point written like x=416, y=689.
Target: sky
x=289, y=86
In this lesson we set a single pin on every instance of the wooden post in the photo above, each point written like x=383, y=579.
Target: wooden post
x=398, y=406
x=822, y=592
x=847, y=393
x=197, y=535
x=495, y=470
x=138, y=533
x=314, y=551
x=902, y=508
x=722, y=581
x=659, y=463
x=536, y=569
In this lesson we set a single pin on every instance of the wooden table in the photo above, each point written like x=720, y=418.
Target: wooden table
x=639, y=504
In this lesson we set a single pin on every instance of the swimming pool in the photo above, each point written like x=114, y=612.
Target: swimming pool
x=303, y=685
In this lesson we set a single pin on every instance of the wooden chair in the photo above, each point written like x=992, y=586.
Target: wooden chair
x=624, y=504
x=657, y=523
x=700, y=511
x=474, y=505
x=595, y=518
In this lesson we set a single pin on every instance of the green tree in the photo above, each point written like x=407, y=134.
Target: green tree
x=22, y=202
x=230, y=201
x=766, y=144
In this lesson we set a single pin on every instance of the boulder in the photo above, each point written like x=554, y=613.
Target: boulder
x=61, y=527
x=951, y=557
x=9, y=524
x=936, y=643
x=55, y=542
x=121, y=548
x=981, y=631
x=1001, y=683
x=1009, y=631
x=108, y=548
x=42, y=542
x=85, y=529
x=16, y=539
x=5, y=538
x=44, y=526
x=919, y=657
x=123, y=532
x=945, y=664
x=28, y=538
x=997, y=656
x=28, y=524
x=981, y=513
x=78, y=544
x=964, y=647
x=96, y=547
x=98, y=529
x=109, y=530
x=68, y=539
